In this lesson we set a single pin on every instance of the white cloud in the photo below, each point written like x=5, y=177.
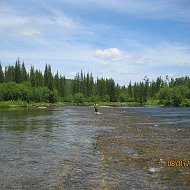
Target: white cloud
x=111, y=54
x=116, y=55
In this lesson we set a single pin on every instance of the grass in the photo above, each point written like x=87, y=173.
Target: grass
x=15, y=104
x=10, y=104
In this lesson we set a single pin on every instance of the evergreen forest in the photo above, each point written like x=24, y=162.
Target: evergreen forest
x=18, y=84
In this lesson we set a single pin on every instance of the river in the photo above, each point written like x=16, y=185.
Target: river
x=73, y=148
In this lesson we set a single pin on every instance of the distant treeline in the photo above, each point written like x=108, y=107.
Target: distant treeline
x=37, y=86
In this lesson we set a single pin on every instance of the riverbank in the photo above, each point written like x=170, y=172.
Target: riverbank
x=22, y=104
x=17, y=104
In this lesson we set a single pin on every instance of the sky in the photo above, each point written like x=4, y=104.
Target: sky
x=121, y=39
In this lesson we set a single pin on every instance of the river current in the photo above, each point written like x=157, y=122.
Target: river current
x=73, y=148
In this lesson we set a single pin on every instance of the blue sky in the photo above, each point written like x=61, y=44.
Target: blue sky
x=122, y=39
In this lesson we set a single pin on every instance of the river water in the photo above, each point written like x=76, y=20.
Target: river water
x=73, y=148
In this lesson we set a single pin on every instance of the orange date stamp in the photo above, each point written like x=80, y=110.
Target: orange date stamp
x=178, y=163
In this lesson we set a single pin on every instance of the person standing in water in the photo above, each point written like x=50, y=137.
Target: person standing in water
x=96, y=107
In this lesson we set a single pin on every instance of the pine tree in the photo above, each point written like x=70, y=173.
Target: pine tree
x=38, y=78
x=17, y=77
x=32, y=76
x=10, y=73
x=101, y=88
x=46, y=75
x=76, y=84
x=152, y=88
x=136, y=91
x=130, y=90
x=141, y=89
x=1, y=74
x=112, y=93
x=81, y=83
x=87, y=85
x=91, y=85
x=159, y=83
x=117, y=90
x=57, y=82
x=146, y=91
x=63, y=87
x=6, y=79
x=23, y=73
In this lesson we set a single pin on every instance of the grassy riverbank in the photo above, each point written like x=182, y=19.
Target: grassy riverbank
x=13, y=104
x=17, y=104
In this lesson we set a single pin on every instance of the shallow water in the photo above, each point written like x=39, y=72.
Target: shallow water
x=73, y=148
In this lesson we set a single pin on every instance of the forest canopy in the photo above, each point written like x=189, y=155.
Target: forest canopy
x=16, y=83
